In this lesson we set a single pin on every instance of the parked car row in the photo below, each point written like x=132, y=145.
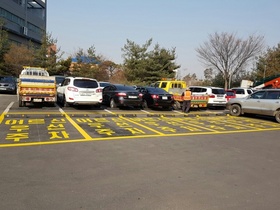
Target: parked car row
x=88, y=91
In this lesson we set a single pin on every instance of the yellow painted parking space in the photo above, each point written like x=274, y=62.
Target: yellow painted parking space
x=25, y=129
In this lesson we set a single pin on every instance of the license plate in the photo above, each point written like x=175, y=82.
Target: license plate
x=37, y=100
x=132, y=96
x=2, y=88
x=85, y=94
x=164, y=97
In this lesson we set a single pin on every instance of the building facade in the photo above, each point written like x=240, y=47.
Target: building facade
x=24, y=20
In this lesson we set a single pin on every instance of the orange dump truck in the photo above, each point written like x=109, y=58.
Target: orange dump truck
x=177, y=87
x=36, y=86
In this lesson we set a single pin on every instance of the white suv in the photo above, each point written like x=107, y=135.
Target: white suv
x=217, y=96
x=79, y=91
x=241, y=92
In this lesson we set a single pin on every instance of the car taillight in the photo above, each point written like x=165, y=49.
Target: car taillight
x=140, y=95
x=73, y=89
x=121, y=94
x=211, y=96
x=99, y=90
x=155, y=96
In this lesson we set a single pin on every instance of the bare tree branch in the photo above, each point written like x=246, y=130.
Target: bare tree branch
x=228, y=54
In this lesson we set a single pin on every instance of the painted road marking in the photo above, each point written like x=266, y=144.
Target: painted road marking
x=64, y=127
x=75, y=125
x=2, y=116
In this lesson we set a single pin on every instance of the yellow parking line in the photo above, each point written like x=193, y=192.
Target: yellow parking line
x=191, y=124
x=82, y=131
x=2, y=116
x=143, y=126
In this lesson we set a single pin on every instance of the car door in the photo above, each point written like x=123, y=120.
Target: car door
x=253, y=103
x=270, y=102
x=148, y=96
x=106, y=94
x=61, y=89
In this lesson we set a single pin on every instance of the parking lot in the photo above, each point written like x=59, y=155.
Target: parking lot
x=102, y=158
x=22, y=126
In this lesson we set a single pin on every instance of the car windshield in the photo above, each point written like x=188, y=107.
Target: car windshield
x=7, y=79
x=85, y=83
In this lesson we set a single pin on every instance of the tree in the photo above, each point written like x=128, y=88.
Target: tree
x=48, y=54
x=17, y=57
x=110, y=67
x=145, y=67
x=88, y=64
x=4, y=45
x=62, y=67
x=191, y=79
x=209, y=77
x=268, y=64
x=228, y=54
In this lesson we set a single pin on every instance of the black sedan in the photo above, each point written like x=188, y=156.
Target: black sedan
x=117, y=95
x=154, y=97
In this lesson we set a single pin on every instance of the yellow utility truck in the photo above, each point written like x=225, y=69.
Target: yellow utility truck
x=177, y=87
x=35, y=86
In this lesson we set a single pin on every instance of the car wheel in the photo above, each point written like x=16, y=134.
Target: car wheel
x=145, y=104
x=277, y=116
x=113, y=104
x=177, y=105
x=21, y=103
x=235, y=110
x=58, y=100
x=65, y=104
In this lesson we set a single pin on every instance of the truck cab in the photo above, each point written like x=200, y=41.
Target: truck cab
x=171, y=84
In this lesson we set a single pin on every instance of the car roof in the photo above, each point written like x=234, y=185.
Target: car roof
x=88, y=78
x=205, y=86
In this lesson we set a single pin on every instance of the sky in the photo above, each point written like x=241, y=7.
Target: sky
x=180, y=24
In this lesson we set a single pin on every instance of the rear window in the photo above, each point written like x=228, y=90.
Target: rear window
x=123, y=87
x=104, y=84
x=239, y=91
x=195, y=89
x=230, y=93
x=85, y=83
x=156, y=90
x=218, y=91
x=59, y=80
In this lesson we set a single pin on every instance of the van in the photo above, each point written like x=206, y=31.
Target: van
x=217, y=95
